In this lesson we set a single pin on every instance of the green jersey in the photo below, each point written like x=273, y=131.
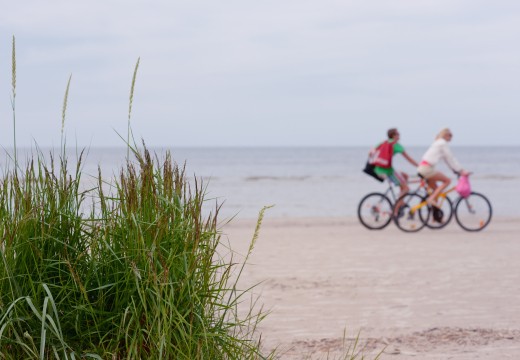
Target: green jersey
x=398, y=149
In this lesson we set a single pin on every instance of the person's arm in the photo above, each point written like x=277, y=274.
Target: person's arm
x=410, y=159
x=451, y=161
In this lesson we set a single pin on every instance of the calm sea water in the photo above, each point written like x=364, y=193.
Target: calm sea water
x=314, y=182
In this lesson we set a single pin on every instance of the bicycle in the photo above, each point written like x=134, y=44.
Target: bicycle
x=472, y=213
x=376, y=209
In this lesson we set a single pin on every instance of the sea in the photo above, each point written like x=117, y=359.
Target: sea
x=305, y=181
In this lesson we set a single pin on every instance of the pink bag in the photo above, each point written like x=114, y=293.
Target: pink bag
x=463, y=187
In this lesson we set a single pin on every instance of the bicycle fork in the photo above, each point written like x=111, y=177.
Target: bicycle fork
x=468, y=205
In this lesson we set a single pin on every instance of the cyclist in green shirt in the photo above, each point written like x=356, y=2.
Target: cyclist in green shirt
x=398, y=178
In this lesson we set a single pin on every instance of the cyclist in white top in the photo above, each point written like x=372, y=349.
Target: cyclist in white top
x=439, y=150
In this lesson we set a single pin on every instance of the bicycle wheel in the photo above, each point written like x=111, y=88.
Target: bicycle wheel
x=474, y=212
x=410, y=217
x=375, y=211
x=439, y=219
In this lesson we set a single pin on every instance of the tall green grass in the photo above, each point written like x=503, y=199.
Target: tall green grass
x=130, y=103
x=128, y=269
x=13, y=96
x=137, y=276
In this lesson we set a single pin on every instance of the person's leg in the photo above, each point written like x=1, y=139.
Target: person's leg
x=438, y=188
x=432, y=184
x=400, y=179
x=403, y=183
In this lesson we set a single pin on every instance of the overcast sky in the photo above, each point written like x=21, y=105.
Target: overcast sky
x=263, y=72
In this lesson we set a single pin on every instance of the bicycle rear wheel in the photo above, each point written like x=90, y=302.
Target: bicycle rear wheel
x=375, y=211
x=410, y=217
x=474, y=212
x=439, y=219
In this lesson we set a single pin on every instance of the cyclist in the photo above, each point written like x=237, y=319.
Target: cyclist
x=382, y=159
x=439, y=150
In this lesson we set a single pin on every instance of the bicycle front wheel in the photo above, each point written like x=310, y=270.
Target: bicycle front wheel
x=411, y=213
x=375, y=211
x=474, y=212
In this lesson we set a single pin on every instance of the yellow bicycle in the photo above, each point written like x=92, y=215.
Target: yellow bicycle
x=472, y=213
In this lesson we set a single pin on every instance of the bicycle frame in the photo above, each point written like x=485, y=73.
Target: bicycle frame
x=441, y=196
x=394, y=197
x=390, y=190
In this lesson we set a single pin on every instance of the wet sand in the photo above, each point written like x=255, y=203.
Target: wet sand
x=435, y=294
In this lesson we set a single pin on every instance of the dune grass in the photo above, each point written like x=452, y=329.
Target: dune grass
x=128, y=269
x=13, y=95
x=136, y=277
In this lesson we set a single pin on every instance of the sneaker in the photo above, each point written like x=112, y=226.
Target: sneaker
x=438, y=214
x=402, y=211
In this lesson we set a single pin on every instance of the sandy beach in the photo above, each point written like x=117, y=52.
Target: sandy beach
x=444, y=294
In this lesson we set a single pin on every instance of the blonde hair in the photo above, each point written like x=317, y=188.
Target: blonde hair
x=442, y=133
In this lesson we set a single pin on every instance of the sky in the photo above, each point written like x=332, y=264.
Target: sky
x=261, y=73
